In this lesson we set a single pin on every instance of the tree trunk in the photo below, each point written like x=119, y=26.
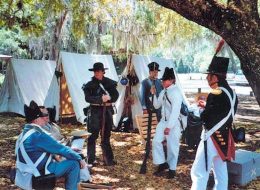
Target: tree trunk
x=54, y=50
x=99, y=48
x=237, y=23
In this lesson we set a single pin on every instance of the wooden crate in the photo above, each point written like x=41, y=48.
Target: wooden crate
x=245, y=167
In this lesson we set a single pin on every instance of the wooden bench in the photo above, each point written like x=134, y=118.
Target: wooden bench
x=88, y=186
x=142, y=125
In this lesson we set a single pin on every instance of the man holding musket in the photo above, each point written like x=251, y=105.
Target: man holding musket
x=100, y=92
x=151, y=81
x=217, y=144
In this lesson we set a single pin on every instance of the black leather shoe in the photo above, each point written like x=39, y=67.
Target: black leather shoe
x=110, y=163
x=92, y=164
x=86, y=181
x=161, y=168
x=171, y=174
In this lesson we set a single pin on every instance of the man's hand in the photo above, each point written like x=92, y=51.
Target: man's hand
x=202, y=103
x=76, y=150
x=167, y=131
x=153, y=90
x=106, y=98
x=58, y=158
x=82, y=164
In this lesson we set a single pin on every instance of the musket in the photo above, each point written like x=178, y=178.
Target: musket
x=103, y=127
x=206, y=154
x=148, y=138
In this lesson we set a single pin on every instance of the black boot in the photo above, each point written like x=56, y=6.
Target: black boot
x=110, y=163
x=171, y=174
x=161, y=168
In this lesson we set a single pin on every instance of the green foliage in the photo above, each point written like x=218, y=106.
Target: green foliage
x=120, y=61
x=138, y=26
x=145, y=17
x=12, y=42
x=28, y=15
x=106, y=43
x=81, y=16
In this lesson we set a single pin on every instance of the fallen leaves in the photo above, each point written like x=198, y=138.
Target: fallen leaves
x=128, y=151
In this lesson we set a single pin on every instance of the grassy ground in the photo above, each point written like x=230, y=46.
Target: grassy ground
x=129, y=152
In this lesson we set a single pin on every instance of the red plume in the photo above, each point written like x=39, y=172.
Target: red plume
x=220, y=45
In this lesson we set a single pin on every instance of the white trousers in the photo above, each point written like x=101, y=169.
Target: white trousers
x=84, y=174
x=173, y=145
x=200, y=176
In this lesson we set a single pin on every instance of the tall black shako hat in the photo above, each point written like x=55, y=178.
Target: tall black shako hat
x=32, y=111
x=153, y=66
x=168, y=74
x=218, y=65
x=98, y=66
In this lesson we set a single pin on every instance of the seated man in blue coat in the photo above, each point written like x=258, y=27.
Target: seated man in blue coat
x=34, y=150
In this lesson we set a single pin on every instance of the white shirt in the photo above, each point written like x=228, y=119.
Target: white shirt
x=170, y=110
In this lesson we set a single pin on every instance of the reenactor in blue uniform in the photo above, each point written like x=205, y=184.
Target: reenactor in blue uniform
x=217, y=144
x=147, y=84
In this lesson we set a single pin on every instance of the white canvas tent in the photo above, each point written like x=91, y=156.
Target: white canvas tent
x=139, y=64
x=75, y=74
x=26, y=80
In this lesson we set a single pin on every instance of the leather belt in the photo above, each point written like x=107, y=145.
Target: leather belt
x=105, y=104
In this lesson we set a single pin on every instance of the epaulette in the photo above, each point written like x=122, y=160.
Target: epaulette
x=216, y=91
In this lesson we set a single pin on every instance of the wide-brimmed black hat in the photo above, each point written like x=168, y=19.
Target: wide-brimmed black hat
x=168, y=74
x=153, y=66
x=98, y=67
x=32, y=111
x=218, y=66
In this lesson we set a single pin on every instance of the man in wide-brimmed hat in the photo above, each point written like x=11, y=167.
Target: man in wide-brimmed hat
x=34, y=149
x=151, y=82
x=217, y=144
x=169, y=100
x=100, y=92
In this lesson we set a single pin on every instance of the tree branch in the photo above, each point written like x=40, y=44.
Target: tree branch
x=207, y=13
x=226, y=21
x=249, y=7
